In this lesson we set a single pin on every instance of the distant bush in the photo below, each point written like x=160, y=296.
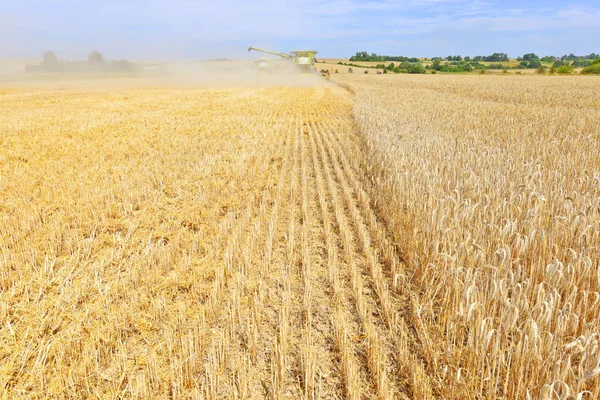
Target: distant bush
x=565, y=69
x=542, y=70
x=405, y=67
x=560, y=63
x=455, y=66
x=562, y=67
x=593, y=69
x=579, y=63
x=411, y=68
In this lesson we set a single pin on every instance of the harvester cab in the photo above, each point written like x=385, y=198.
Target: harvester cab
x=303, y=59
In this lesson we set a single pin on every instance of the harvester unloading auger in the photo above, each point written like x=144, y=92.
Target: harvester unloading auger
x=303, y=59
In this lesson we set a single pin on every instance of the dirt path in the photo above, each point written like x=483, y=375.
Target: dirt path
x=310, y=307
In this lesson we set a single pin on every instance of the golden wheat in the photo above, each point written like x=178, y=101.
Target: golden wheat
x=491, y=187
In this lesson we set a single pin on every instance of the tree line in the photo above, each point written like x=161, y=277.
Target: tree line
x=496, y=57
x=95, y=63
x=405, y=67
x=457, y=63
x=364, y=56
x=374, y=57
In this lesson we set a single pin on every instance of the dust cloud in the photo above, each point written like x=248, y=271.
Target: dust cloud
x=214, y=74
x=239, y=73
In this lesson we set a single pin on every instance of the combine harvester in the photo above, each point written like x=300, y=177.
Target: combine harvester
x=303, y=59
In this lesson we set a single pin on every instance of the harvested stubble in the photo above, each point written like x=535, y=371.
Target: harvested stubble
x=115, y=206
x=491, y=187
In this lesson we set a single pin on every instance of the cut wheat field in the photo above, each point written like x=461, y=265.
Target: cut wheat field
x=385, y=238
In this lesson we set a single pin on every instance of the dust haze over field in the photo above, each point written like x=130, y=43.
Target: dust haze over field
x=231, y=73
x=238, y=73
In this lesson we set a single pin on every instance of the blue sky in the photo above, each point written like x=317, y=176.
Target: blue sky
x=176, y=29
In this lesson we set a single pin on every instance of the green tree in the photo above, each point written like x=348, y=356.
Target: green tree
x=50, y=59
x=560, y=63
x=496, y=57
x=530, y=56
x=95, y=58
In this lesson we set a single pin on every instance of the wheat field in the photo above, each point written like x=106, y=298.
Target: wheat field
x=491, y=187
x=383, y=238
